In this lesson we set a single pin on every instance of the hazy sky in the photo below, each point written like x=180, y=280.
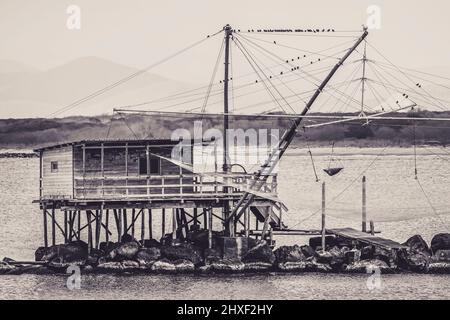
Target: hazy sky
x=136, y=32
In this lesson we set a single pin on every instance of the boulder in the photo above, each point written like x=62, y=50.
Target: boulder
x=367, y=266
x=441, y=256
x=292, y=266
x=308, y=251
x=128, y=238
x=73, y=251
x=439, y=268
x=6, y=268
x=112, y=266
x=440, y=241
x=163, y=265
x=388, y=256
x=314, y=266
x=289, y=254
x=416, y=262
x=151, y=243
x=367, y=252
x=226, y=266
x=130, y=265
x=125, y=251
x=315, y=242
x=94, y=257
x=353, y=255
x=184, y=266
x=257, y=266
x=260, y=253
x=416, y=244
x=58, y=264
x=183, y=251
x=108, y=247
x=147, y=256
x=212, y=255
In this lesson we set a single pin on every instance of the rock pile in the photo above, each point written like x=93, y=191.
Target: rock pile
x=152, y=256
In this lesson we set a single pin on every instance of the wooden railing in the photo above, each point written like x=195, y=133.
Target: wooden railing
x=182, y=186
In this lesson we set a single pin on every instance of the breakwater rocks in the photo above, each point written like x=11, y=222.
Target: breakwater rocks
x=151, y=256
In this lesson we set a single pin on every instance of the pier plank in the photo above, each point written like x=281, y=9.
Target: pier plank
x=353, y=234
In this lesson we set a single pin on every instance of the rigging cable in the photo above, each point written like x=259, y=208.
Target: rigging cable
x=123, y=80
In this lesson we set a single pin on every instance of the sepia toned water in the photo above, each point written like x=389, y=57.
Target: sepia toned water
x=399, y=205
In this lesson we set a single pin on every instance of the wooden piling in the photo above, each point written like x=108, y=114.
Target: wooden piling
x=45, y=227
x=372, y=228
x=88, y=218
x=65, y=227
x=125, y=221
x=53, y=227
x=323, y=217
x=364, y=213
x=163, y=222
x=107, y=226
x=210, y=225
x=99, y=227
x=150, y=224
x=133, y=218
x=205, y=219
x=174, y=223
x=246, y=223
x=143, y=225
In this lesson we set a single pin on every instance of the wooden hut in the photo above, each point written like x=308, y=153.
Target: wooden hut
x=84, y=183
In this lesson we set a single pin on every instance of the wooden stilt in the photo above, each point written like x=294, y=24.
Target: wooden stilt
x=247, y=223
x=364, y=214
x=265, y=227
x=323, y=217
x=174, y=224
x=195, y=217
x=125, y=221
x=53, y=227
x=163, y=223
x=99, y=227
x=205, y=219
x=65, y=227
x=118, y=216
x=107, y=227
x=150, y=224
x=143, y=225
x=44, y=211
x=88, y=218
x=79, y=224
x=210, y=224
x=133, y=218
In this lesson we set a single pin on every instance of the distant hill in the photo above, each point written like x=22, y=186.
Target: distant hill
x=34, y=132
x=28, y=92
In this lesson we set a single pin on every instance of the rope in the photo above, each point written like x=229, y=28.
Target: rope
x=123, y=80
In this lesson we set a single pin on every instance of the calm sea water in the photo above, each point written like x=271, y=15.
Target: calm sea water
x=400, y=206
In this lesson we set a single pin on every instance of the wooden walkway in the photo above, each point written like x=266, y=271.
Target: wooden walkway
x=367, y=238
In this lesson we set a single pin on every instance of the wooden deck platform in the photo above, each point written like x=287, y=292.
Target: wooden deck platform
x=363, y=237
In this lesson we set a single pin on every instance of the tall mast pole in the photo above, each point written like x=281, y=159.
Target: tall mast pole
x=363, y=79
x=226, y=159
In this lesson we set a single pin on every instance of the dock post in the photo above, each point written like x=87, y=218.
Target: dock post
x=364, y=213
x=99, y=227
x=372, y=228
x=107, y=227
x=210, y=224
x=53, y=226
x=246, y=223
x=163, y=223
x=44, y=210
x=143, y=225
x=88, y=217
x=133, y=217
x=205, y=219
x=65, y=226
x=195, y=217
x=150, y=224
x=174, y=224
x=79, y=224
x=125, y=221
x=323, y=217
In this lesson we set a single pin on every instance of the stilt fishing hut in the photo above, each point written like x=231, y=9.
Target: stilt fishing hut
x=84, y=184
